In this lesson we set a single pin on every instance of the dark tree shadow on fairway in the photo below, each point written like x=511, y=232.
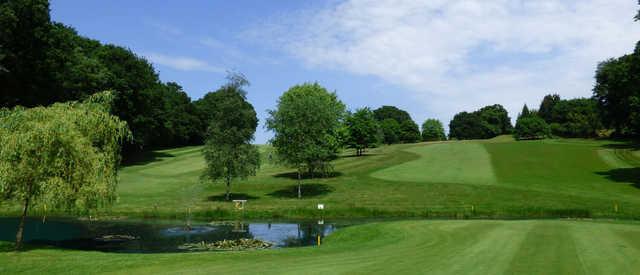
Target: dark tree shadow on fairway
x=356, y=156
x=308, y=190
x=294, y=175
x=232, y=196
x=143, y=158
x=623, y=175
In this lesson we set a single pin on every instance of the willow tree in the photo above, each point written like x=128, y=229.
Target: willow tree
x=306, y=124
x=228, y=151
x=64, y=156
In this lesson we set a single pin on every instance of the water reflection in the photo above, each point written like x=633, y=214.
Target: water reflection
x=158, y=235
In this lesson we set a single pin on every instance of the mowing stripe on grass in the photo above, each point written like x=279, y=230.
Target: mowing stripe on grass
x=460, y=162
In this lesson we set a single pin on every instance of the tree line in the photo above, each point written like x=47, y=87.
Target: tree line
x=43, y=62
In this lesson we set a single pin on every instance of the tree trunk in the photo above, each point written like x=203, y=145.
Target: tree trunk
x=19, y=235
x=228, y=188
x=299, y=184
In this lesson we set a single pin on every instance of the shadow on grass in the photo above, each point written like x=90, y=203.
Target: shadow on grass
x=356, y=156
x=11, y=247
x=294, y=175
x=308, y=190
x=146, y=157
x=625, y=144
x=626, y=175
x=232, y=196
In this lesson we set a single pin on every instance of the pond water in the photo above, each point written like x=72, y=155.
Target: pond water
x=148, y=236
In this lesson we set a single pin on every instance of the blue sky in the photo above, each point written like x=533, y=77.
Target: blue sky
x=431, y=58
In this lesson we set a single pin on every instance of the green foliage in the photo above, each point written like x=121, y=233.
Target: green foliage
x=531, y=127
x=64, y=156
x=363, y=130
x=407, y=130
x=575, y=118
x=306, y=124
x=525, y=112
x=546, y=106
x=43, y=62
x=496, y=119
x=390, y=130
x=488, y=122
x=617, y=93
x=228, y=151
x=432, y=130
x=391, y=112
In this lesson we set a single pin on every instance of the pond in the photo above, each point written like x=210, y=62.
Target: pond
x=149, y=236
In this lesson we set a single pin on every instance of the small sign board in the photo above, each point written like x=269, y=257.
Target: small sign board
x=320, y=206
x=239, y=204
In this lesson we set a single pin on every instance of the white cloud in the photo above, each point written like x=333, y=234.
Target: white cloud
x=461, y=55
x=183, y=63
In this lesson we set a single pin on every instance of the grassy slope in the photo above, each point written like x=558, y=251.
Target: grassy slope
x=495, y=178
x=499, y=178
x=411, y=247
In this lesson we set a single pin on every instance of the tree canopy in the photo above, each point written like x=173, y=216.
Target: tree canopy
x=228, y=151
x=43, y=62
x=488, y=122
x=531, y=127
x=407, y=130
x=65, y=156
x=617, y=93
x=546, y=106
x=391, y=112
x=306, y=124
x=432, y=130
x=390, y=129
x=363, y=130
x=578, y=117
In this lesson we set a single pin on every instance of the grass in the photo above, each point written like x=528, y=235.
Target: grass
x=405, y=247
x=464, y=162
x=498, y=178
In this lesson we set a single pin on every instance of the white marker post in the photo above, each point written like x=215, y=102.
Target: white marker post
x=321, y=221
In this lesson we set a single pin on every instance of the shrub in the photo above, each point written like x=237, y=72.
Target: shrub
x=531, y=127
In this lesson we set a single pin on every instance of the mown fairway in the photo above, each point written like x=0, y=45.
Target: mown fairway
x=494, y=178
x=409, y=247
x=497, y=178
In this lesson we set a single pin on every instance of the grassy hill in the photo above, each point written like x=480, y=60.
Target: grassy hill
x=498, y=178
x=407, y=247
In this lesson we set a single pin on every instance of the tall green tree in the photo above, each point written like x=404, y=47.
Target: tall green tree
x=390, y=130
x=64, y=156
x=546, y=106
x=525, y=112
x=617, y=93
x=228, y=151
x=578, y=117
x=496, y=119
x=43, y=62
x=391, y=112
x=363, y=130
x=432, y=130
x=531, y=127
x=306, y=124
x=466, y=125
x=488, y=122
x=409, y=132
